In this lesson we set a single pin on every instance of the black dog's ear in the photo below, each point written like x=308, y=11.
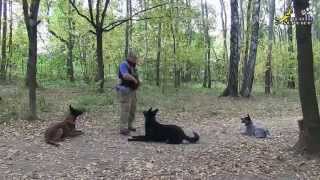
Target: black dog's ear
x=150, y=109
x=155, y=111
x=75, y=112
x=248, y=116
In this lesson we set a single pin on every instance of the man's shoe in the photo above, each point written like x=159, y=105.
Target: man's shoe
x=125, y=132
x=132, y=129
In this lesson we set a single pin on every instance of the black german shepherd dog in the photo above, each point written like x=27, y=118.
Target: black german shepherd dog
x=156, y=132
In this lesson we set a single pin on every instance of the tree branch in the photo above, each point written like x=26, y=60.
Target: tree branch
x=90, y=10
x=82, y=15
x=57, y=36
x=98, y=12
x=116, y=23
x=104, y=11
x=25, y=7
x=91, y=31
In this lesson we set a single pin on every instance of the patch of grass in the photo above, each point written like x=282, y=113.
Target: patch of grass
x=93, y=101
x=43, y=104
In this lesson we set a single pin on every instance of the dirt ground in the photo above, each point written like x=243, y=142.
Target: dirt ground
x=101, y=153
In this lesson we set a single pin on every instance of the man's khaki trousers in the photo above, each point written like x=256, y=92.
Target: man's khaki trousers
x=128, y=104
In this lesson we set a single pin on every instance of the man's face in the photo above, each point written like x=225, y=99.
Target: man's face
x=132, y=60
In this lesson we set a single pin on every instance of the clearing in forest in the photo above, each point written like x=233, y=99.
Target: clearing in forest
x=101, y=153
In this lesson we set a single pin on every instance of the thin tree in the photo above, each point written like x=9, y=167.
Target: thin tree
x=4, y=43
x=291, y=79
x=98, y=26
x=0, y=21
x=241, y=20
x=187, y=74
x=144, y=5
x=247, y=36
x=208, y=44
x=205, y=76
x=309, y=126
x=68, y=41
x=232, y=87
x=223, y=15
x=30, y=14
x=249, y=66
x=174, y=32
x=159, y=38
x=268, y=73
x=128, y=32
x=9, y=60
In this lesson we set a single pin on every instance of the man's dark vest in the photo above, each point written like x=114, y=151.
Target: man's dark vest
x=130, y=84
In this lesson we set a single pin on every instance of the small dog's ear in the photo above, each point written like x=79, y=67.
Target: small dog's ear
x=248, y=116
x=150, y=109
x=71, y=108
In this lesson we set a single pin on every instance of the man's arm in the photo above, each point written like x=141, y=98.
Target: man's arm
x=129, y=77
x=125, y=73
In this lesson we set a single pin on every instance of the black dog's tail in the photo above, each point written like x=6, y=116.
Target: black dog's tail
x=138, y=138
x=193, y=139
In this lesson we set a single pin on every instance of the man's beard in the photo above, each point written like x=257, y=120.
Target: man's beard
x=131, y=63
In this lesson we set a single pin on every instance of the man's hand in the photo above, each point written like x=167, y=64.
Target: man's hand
x=135, y=81
x=129, y=77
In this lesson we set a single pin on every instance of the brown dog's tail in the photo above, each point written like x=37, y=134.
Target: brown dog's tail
x=193, y=139
x=52, y=143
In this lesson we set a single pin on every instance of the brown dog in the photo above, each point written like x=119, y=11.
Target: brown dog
x=59, y=131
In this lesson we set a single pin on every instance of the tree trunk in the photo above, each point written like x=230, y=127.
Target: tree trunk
x=144, y=4
x=291, y=80
x=4, y=43
x=158, y=55
x=174, y=30
x=32, y=72
x=187, y=72
x=174, y=47
x=268, y=73
x=232, y=87
x=242, y=20
x=128, y=33
x=247, y=38
x=70, y=45
x=309, y=126
x=9, y=60
x=31, y=21
x=208, y=44
x=223, y=15
x=100, y=64
x=0, y=20
x=70, y=71
x=316, y=24
x=205, y=76
x=247, y=81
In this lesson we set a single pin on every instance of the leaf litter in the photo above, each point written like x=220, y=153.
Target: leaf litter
x=222, y=153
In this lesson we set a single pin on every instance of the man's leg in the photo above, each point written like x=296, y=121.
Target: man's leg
x=132, y=112
x=125, y=104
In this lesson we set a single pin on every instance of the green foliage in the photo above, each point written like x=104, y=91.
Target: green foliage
x=94, y=101
x=189, y=57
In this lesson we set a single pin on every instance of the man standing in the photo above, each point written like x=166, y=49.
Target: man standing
x=129, y=83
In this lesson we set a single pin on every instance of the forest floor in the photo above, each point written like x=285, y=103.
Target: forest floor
x=101, y=153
